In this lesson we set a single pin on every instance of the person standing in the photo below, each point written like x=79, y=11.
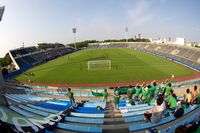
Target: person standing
x=116, y=100
x=105, y=95
x=168, y=89
x=70, y=94
x=129, y=92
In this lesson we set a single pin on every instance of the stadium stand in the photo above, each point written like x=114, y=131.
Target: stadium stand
x=27, y=57
x=29, y=112
x=187, y=55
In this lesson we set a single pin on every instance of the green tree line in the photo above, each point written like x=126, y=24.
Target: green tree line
x=5, y=61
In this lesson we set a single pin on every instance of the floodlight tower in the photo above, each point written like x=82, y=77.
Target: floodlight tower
x=139, y=36
x=74, y=31
x=126, y=30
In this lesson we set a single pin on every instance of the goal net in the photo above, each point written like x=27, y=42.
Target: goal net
x=99, y=65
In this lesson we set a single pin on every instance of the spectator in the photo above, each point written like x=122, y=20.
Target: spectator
x=105, y=95
x=172, y=101
x=168, y=89
x=163, y=105
x=145, y=95
x=152, y=89
x=116, y=100
x=187, y=98
x=129, y=93
x=194, y=93
x=70, y=94
x=155, y=114
x=137, y=92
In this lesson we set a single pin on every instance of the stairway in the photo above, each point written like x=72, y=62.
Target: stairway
x=113, y=121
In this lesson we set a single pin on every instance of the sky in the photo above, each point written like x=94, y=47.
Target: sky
x=30, y=22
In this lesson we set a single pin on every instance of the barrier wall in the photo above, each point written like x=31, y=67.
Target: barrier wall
x=17, y=72
x=173, y=59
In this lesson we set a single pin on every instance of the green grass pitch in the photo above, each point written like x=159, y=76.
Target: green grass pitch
x=126, y=65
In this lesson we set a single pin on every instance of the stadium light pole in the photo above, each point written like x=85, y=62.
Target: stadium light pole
x=74, y=31
x=126, y=30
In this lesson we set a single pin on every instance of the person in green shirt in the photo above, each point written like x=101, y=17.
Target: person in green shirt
x=133, y=89
x=168, y=89
x=105, y=95
x=116, y=97
x=151, y=90
x=70, y=94
x=137, y=91
x=172, y=101
x=145, y=95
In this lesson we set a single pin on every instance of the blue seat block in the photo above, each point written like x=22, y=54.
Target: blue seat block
x=77, y=128
x=84, y=120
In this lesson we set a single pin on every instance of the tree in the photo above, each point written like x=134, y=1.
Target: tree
x=5, y=61
x=4, y=71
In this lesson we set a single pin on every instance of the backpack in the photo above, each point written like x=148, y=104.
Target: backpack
x=179, y=112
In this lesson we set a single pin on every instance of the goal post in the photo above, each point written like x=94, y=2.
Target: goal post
x=99, y=65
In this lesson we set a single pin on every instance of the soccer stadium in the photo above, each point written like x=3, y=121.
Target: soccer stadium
x=111, y=86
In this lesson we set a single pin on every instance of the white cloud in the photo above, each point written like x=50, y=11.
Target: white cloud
x=139, y=14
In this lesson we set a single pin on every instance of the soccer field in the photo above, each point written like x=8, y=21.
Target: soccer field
x=126, y=65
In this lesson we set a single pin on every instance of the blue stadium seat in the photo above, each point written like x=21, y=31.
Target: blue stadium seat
x=94, y=104
x=13, y=99
x=87, y=115
x=47, y=131
x=134, y=119
x=35, y=111
x=136, y=109
x=53, y=106
x=187, y=120
x=20, y=111
x=142, y=126
x=43, y=109
x=90, y=110
x=84, y=120
x=133, y=113
x=77, y=128
x=135, y=106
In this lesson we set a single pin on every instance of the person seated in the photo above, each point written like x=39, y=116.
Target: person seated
x=155, y=114
x=172, y=101
x=194, y=94
x=187, y=98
